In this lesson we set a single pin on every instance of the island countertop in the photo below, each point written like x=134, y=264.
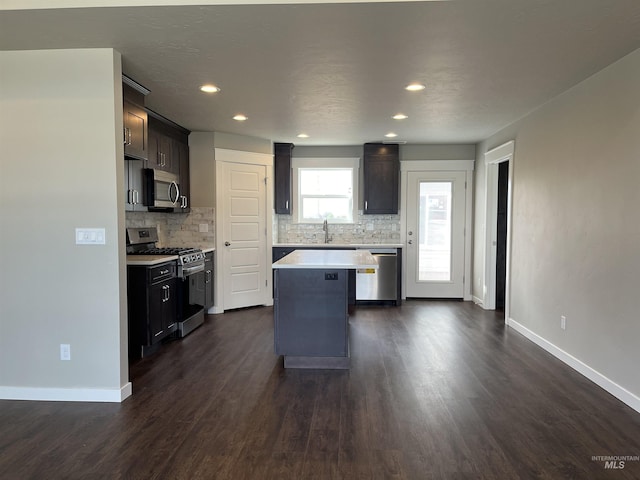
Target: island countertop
x=339, y=245
x=319, y=259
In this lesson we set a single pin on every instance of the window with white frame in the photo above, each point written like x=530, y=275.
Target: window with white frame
x=325, y=189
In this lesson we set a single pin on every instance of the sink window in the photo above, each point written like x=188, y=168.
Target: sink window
x=325, y=188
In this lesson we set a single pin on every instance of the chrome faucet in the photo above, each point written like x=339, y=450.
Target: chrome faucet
x=325, y=229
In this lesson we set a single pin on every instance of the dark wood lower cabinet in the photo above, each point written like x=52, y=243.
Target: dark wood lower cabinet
x=152, y=305
x=311, y=328
x=208, y=281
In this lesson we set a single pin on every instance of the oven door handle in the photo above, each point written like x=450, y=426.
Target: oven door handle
x=191, y=270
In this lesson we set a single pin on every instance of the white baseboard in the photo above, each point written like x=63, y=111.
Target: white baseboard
x=596, y=377
x=67, y=394
x=478, y=301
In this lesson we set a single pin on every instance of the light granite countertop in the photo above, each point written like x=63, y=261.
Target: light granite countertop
x=340, y=245
x=150, y=260
x=321, y=259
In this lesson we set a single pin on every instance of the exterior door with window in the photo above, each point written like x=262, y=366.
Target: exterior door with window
x=435, y=243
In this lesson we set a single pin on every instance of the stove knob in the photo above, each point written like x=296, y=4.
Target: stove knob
x=185, y=259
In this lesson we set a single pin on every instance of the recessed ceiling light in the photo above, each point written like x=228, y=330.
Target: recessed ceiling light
x=303, y=135
x=415, y=87
x=209, y=89
x=240, y=118
x=400, y=116
x=391, y=135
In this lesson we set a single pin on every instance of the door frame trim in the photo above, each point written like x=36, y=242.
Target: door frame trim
x=221, y=156
x=467, y=166
x=492, y=159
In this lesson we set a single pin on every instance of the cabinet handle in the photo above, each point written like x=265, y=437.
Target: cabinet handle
x=183, y=201
x=136, y=197
x=365, y=204
x=162, y=272
x=159, y=333
x=286, y=204
x=168, y=292
x=124, y=134
x=129, y=129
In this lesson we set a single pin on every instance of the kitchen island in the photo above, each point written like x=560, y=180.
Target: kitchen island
x=311, y=328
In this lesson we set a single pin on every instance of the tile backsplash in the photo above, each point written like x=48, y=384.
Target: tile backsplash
x=366, y=229
x=183, y=229
x=179, y=229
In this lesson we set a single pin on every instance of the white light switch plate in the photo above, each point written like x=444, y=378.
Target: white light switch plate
x=90, y=236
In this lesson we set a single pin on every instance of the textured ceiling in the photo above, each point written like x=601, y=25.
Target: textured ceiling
x=337, y=71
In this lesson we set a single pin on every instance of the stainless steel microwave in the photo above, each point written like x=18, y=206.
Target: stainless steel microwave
x=161, y=189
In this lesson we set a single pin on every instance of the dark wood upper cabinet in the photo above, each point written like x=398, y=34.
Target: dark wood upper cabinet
x=282, y=173
x=134, y=119
x=381, y=169
x=161, y=148
x=169, y=151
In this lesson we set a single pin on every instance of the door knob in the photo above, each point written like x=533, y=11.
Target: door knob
x=226, y=244
x=410, y=233
x=410, y=242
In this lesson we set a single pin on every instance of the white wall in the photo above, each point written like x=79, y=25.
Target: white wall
x=62, y=167
x=576, y=227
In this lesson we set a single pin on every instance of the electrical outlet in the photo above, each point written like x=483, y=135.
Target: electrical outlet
x=65, y=351
x=563, y=322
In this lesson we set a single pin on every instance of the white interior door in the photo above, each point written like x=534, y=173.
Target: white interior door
x=244, y=235
x=436, y=206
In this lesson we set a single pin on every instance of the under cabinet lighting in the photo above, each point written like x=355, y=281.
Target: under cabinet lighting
x=391, y=135
x=209, y=89
x=415, y=87
x=400, y=116
x=240, y=118
x=303, y=135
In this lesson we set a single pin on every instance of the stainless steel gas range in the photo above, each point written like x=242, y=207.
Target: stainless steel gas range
x=190, y=266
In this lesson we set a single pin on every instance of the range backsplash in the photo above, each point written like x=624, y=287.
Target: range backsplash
x=179, y=229
x=367, y=229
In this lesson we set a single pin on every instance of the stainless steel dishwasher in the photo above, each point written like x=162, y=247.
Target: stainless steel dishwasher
x=380, y=284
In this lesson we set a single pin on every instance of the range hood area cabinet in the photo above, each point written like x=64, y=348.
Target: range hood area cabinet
x=169, y=151
x=282, y=173
x=151, y=141
x=381, y=170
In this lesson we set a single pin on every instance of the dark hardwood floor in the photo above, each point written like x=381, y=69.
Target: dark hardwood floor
x=437, y=390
